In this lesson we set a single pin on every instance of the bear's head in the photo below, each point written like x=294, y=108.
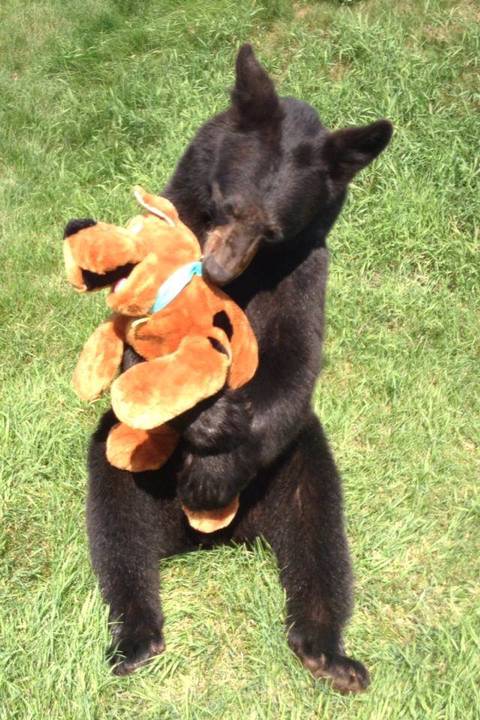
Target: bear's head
x=274, y=173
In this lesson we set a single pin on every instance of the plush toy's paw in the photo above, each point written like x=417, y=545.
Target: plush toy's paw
x=134, y=647
x=343, y=673
x=209, y=521
x=140, y=450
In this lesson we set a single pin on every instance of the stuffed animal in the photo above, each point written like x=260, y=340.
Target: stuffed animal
x=194, y=338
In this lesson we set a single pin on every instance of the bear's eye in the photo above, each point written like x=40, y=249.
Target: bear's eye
x=272, y=234
x=232, y=208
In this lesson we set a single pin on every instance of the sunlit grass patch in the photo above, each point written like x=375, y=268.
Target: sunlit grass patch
x=100, y=95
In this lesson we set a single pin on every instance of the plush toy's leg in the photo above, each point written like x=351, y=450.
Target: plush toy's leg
x=99, y=360
x=152, y=393
x=139, y=450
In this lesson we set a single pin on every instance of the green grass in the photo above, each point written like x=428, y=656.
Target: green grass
x=101, y=94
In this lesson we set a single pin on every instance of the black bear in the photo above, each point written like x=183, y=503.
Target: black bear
x=272, y=179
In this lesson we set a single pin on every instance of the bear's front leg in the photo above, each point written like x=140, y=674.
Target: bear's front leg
x=221, y=455
x=296, y=505
x=133, y=521
x=209, y=481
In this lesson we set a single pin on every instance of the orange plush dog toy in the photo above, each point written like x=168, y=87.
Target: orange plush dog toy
x=166, y=311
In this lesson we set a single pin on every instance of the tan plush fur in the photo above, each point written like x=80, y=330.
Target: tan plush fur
x=182, y=366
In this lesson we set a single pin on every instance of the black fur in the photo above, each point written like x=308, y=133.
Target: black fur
x=270, y=159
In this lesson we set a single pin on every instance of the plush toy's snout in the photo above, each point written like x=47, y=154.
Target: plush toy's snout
x=97, y=255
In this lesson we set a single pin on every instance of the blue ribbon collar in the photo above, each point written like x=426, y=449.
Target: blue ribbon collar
x=174, y=284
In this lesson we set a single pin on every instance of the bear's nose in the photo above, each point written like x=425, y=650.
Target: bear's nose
x=215, y=273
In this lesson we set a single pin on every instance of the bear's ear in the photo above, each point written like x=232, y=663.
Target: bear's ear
x=254, y=99
x=350, y=150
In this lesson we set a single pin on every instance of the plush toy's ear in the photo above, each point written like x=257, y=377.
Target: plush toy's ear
x=350, y=150
x=152, y=393
x=159, y=206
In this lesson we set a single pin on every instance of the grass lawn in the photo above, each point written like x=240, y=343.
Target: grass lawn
x=98, y=95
